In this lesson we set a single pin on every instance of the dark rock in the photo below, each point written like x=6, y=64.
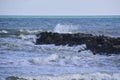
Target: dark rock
x=14, y=78
x=97, y=44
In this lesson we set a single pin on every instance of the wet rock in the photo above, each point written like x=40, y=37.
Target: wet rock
x=97, y=44
x=14, y=78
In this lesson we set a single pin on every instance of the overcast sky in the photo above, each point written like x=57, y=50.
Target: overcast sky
x=59, y=7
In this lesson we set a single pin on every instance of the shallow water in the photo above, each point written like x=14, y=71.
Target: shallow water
x=19, y=56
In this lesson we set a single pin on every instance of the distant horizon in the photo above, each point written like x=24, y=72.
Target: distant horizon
x=63, y=15
x=60, y=16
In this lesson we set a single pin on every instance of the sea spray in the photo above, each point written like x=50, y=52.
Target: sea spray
x=65, y=28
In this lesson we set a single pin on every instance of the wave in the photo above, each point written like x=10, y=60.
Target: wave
x=29, y=31
x=31, y=38
x=47, y=60
x=3, y=31
x=17, y=44
x=61, y=55
x=84, y=76
x=62, y=61
x=60, y=28
x=18, y=32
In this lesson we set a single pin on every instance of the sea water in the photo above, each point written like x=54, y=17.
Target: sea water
x=19, y=56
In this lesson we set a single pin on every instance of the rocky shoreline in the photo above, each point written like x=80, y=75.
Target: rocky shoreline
x=97, y=44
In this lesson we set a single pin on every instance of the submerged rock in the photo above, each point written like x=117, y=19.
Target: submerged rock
x=97, y=44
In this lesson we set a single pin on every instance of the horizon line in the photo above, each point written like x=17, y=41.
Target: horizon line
x=59, y=16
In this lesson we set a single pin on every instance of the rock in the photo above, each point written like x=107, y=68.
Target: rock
x=14, y=78
x=97, y=44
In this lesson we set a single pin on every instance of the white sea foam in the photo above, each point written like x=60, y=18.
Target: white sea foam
x=64, y=55
x=53, y=57
x=20, y=32
x=62, y=48
x=62, y=61
x=24, y=31
x=45, y=60
x=60, y=28
x=29, y=38
x=4, y=31
x=84, y=76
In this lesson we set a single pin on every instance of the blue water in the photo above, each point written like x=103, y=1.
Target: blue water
x=19, y=56
x=105, y=26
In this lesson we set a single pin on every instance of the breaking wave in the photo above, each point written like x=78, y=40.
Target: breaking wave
x=3, y=31
x=18, y=32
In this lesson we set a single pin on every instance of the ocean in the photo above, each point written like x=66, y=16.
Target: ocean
x=19, y=56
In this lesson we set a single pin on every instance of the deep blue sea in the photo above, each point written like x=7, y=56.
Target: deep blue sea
x=19, y=56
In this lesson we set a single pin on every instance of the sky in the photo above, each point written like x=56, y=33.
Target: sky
x=59, y=7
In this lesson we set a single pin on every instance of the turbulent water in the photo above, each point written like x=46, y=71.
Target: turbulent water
x=19, y=56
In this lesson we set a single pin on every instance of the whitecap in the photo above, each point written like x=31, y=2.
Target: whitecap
x=4, y=31
x=31, y=38
x=45, y=60
x=25, y=31
x=53, y=57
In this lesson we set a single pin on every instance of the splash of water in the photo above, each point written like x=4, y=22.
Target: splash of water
x=60, y=28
